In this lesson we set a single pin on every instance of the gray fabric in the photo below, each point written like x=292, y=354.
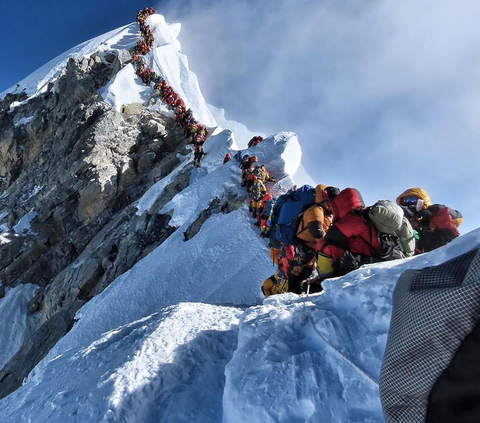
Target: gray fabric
x=434, y=309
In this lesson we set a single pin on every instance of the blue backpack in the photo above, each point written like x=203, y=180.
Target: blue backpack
x=277, y=208
x=292, y=209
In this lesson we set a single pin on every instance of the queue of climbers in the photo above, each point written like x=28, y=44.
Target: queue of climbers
x=320, y=232
x=192, y=129
x=314, y=232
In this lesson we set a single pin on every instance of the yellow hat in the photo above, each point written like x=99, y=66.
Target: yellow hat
x=415, y=192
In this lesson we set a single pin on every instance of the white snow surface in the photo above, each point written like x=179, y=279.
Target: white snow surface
x=185, y=335
x=167, y=60
x=24, y=121
x=37, y=82
x=291, y=359
x=126, y=88
x=24, y=224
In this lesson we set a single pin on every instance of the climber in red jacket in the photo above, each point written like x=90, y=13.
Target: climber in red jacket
x=227, y=158
x=351, y=240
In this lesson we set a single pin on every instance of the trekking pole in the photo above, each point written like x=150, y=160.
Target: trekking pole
x=308, y=287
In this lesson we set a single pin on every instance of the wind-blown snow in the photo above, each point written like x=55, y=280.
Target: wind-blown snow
x=241, y=132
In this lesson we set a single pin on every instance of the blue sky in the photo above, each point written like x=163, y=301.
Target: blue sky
x=384, y=95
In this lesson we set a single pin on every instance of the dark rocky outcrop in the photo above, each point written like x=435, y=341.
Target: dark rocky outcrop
x=35, y=348
x=218, y=205
x=71, y=171
x=74, y=166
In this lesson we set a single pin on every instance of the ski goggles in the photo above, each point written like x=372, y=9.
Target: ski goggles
x=410, y=200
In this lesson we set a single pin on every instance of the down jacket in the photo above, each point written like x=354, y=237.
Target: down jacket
x=350, y=231
x=316, y=219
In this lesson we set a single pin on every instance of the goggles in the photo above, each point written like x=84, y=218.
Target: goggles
x=410, y=200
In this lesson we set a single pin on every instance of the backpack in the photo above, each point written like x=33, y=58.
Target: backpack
x=290, y=213
x=245, y=163
x=258, y=172
x=258, y=191
x=395, y=232
x=268, y=208
x=277, y=207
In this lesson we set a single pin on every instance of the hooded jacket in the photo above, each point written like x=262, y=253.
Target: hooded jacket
x=350, y=230
x=316, y=219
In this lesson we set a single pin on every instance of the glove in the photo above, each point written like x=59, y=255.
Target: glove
x=348, y=262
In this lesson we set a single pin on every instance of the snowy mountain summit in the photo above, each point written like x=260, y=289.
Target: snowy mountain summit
x=130, y=279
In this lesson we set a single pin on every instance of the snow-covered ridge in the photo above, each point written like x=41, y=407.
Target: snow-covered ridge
x=37, y=82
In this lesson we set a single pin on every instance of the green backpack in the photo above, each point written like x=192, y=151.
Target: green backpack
x=395, y=229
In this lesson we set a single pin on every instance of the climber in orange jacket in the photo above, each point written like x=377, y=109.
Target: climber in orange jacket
x=318, y=217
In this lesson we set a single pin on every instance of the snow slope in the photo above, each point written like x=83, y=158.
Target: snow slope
x=165, y=367
x=291, y=359
x=319, y=358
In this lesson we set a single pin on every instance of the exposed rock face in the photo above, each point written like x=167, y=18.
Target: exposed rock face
x=218, y=205
x=71, y=168
x=78, y=163
x=35, y=348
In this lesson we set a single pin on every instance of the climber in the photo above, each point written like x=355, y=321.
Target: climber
x=238, y=156
x=180, y=116
x=255, y=141
x=254, y=173
x=227, y=158
x=317, y=219
x=266, y=174
x=179, y=103
x=246, y=165
x=275, y=284
x=436, y=224
x=264, y=213
x=301, y=264
x=198, y=155
x=256, y=193
x=351, y=240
